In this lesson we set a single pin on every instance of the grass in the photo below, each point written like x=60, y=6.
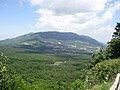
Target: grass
x=105, y=86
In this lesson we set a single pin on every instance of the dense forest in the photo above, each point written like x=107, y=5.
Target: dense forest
x=22, y=69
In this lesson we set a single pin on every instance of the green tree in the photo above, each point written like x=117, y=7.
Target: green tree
x=113, y=48
x=5, y=75
x=99, y=57
x=77, y=85
x=8, y=79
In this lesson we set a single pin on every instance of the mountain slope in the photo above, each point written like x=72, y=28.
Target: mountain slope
x=54, y=41
x=68, y=36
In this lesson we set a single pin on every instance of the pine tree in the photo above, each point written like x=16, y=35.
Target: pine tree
x=113, y=48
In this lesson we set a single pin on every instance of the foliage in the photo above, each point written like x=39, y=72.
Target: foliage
x=102, y=69
x=40, y=71
x=116, y=34
x=103, y=72
x=99, y=57
x=104, y=86
x=5, y=75
x=8, y=79
x=77, y=85
x=45, y=63
x=113, y=47
x=112, y=51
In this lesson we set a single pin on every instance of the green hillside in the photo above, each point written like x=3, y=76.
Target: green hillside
x=103, y=74
x=47, y=62
x=54, y=42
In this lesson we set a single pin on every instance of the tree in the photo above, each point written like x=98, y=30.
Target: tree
x=113, y=48
x=5, y=75
x=77, y=85
x=98, y=57
x=8, y=79
x=116, y=34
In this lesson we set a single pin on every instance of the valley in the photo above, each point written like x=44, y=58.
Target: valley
x=46, y=70
x=52, y=63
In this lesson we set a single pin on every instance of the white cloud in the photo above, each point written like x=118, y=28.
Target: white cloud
x=70, y=15
x=104, y=30
x=103, y=34
x=50, y=20
x=80, y=16
x=71, y=6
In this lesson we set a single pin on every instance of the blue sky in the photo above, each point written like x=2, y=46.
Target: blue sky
x=95, y=18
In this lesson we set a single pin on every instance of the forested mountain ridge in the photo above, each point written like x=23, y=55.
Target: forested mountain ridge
x=54, y=41
x=68, y=36
x=57, y=36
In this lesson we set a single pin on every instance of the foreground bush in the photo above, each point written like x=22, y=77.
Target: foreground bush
x=8, y=79
x=103, y=72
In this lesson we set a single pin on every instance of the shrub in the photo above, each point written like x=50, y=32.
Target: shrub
x=77, y=85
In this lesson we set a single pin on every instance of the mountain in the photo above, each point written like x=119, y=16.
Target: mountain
x=54, y=41
x=68, y=36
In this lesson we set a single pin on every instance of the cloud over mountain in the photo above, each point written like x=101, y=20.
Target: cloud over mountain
x=80, y=16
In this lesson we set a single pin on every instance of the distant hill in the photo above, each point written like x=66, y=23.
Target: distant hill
x=54, y=41
x=68, y=36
